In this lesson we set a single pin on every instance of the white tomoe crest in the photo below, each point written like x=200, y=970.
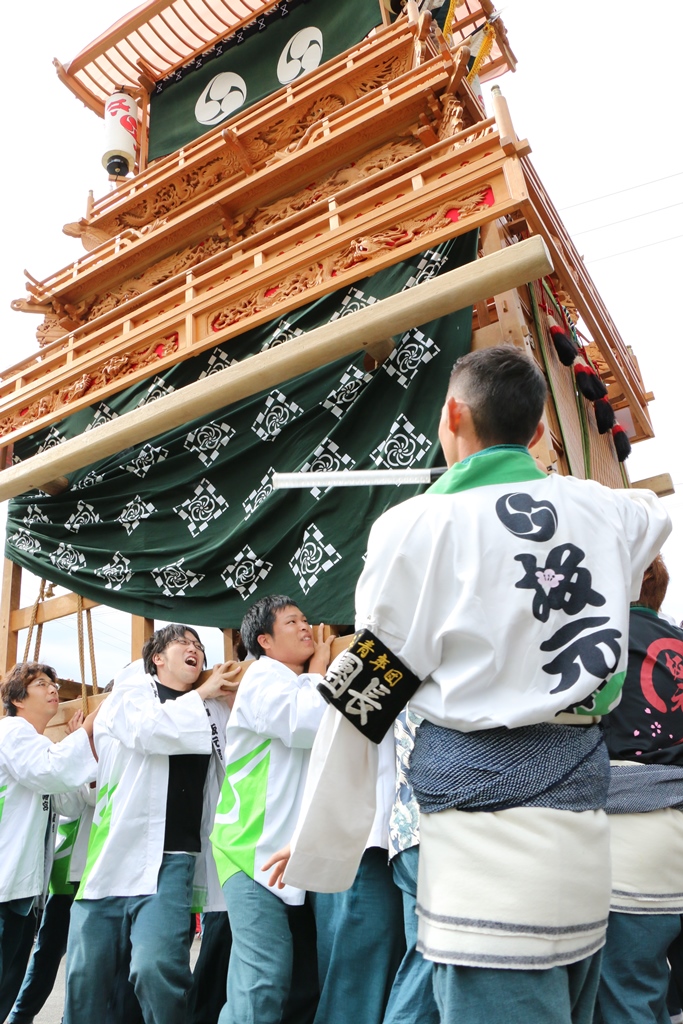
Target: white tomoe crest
x=327, y=457
x=224, y=94
x=277, y=412
x=313, y=558
x=173, y=580
x=133, y=512
x=116, y=572
x=245, y=572
x=303, y=53
x=205, y=505
x=403, y=447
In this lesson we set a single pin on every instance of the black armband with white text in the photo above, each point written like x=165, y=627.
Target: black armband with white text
x=369, y=685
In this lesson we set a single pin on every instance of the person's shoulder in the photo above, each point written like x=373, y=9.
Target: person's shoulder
x=263, y=669
x=409, y=511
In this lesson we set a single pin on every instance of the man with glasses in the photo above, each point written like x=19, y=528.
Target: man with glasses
x=31, y=769
x=160, y=741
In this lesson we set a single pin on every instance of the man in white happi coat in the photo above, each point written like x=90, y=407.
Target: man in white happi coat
x=160, y=739
x=503, y=594
x=37, y=778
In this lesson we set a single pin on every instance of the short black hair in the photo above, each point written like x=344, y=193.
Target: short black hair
x=505, y=392
x=260, y=619
x=159, y=641
x=18, y=678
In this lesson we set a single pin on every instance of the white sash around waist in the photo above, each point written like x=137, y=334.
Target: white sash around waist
x=525, y=888
x=647, y=862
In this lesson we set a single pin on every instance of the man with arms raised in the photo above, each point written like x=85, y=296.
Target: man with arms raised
x=497, y=603
x=32, y=768
x=159, y=738
x=268, y=744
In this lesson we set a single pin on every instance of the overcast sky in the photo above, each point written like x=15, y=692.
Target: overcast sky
x=596, y=95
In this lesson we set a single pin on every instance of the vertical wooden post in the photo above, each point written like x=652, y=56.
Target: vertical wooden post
x=229, y=640
x=141, y=629
x=11, y=599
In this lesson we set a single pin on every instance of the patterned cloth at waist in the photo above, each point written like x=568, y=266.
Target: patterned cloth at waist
x=637, y=788
x=543, y=765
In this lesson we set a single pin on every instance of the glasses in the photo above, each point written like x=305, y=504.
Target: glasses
x=189, y=643
x=43, y=684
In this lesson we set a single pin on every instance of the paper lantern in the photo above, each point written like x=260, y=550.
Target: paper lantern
x=120, y=134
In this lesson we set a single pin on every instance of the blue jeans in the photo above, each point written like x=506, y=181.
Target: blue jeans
x=360, y=944
x=17, y=930
x=412, y=994
x=268, y=979
x=49, y=949
x=152, y=930
x=635, y=973
x=558, y=995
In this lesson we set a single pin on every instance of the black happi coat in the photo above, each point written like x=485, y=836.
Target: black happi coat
x=647, y=726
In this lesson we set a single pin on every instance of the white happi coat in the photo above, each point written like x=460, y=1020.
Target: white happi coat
x=501, y=589
x=135, y=734
x=32, y=768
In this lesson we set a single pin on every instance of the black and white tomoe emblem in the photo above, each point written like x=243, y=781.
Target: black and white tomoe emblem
x=527, y=517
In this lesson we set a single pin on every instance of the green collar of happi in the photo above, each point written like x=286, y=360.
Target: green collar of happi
x=500, y=464
x=644, y=609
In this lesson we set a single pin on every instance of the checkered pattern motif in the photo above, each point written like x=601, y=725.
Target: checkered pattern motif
x=245, y=572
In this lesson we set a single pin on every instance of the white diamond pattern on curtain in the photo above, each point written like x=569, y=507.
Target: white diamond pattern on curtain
x=187, y=526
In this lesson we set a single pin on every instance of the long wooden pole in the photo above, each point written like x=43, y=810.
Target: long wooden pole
x=518, y=264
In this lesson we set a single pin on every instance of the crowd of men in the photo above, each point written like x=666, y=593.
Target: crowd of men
x=414, y=833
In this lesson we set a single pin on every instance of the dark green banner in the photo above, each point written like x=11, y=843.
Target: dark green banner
x=187, y=526
x=276, y=50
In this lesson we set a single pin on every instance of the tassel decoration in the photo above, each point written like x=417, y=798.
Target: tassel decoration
x=565, y=346
x=621, y=442
x=604, y=415
x=588, y=383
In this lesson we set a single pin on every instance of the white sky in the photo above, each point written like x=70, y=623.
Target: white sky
x=596, y=95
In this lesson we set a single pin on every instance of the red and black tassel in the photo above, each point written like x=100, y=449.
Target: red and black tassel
x=621, y=442
x=565, y=346
x=588, y=382
x=604, y=415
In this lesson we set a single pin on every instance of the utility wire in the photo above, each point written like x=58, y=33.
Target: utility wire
x=635, y=216
x=621, y=191
x=637, y=248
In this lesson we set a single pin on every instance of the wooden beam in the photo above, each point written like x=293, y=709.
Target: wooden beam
x=141, y=630
x=526, y=261
x=11, y=597
x=54, y=608
x=661, y=484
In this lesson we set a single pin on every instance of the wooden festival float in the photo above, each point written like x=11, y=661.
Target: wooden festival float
x=311, y=216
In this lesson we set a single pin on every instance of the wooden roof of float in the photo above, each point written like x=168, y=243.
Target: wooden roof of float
x=162, y=35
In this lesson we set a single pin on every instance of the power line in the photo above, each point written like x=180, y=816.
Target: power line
x=623, y=220
x=637, y=248
x=608, y=195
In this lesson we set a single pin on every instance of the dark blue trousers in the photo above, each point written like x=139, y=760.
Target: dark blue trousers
x=48, y=951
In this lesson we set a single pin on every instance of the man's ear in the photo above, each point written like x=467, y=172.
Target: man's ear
x=265, y=641
x=538, y=434
x=453, y=414
x=158, y=659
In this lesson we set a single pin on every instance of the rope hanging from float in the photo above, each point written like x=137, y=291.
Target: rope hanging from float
x=484, y=51
x=44, y=592
x=81, y=652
